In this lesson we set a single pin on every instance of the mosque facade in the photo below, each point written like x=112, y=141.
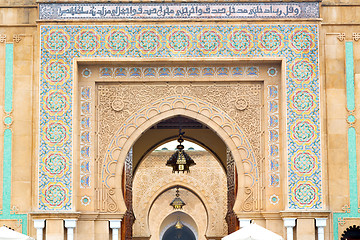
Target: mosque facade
x=91, y=89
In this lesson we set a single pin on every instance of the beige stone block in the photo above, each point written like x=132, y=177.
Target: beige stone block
x=23, y=52
x=9, y=16
x=22, y=128
x=336, y=98
x=357, y=15
x=336, y=81
x=21, y=163
x=23, y=67
x=336, y=110
x=333, y=15
x=338, y=173
x=305, y=229
x=24, y=16
x=276, y=226
x=22, y=114
x=348, y=14
x=334, y=49
x=336, y=65
x=337, y=126
x=85, y=230
x=22, y=106
x=21, y=195
x=55, y=229
x=102, y=230
x=33, y=16
x=337, y=141
x=22, y=83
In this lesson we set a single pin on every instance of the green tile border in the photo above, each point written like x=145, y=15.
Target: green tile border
x=7, y=213
x=353, y=211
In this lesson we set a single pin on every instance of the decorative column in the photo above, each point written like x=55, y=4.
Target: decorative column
x=115, y=226
x=70, y=224
x=244, y=222
x=129, y=216
x=320, y=224
x=39, y=224
x=289, y=223
x=230, y=175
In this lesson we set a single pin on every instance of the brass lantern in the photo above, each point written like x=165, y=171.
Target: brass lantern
x=179, y=224
x=180, y=161
x=177, y=203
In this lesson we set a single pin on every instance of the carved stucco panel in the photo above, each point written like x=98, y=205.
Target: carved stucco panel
x=229, y=105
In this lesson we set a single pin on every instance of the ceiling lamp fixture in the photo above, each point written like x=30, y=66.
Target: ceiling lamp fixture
x=177, y=203
x=179, y=224
x=180, y=161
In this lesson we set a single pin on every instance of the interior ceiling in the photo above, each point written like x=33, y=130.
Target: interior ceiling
x=168, y=130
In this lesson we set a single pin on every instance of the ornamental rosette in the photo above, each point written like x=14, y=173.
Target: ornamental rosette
x=302, y=71
x=302, y=40
x=55, y=164
x=303, y=101
x=56, y=102
x=56, y=133
x=55, y=195
x=148, y=41
x=56, y=72
x=56, y=41
x=87, y=41
x=240, y=41
x=305, y=194
x=178, y=41
x=209, y=41
x=303, y=131
x=271, y=40
x=117, y=41
x=304, y=162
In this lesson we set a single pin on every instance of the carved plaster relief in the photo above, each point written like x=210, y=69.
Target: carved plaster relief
x=229, y=97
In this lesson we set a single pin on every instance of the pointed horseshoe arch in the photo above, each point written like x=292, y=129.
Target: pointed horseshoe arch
x=211, y=116
x=172, y=184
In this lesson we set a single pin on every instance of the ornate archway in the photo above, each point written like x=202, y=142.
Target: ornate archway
x=191, y=107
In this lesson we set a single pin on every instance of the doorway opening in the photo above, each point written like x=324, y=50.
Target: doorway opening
x=178, y=225
x=154, y=183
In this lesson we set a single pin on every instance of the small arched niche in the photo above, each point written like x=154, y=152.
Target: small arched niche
x=351, y=233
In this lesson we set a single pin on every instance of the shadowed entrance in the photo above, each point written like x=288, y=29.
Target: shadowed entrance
x=179, y=234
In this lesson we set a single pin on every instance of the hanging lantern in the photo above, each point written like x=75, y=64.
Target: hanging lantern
x=180, y=161
x=177, y=203
x=179, y=224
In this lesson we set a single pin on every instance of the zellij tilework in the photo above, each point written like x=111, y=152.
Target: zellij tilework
x=298, y=44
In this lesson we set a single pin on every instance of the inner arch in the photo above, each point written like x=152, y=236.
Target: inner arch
x=225, y=127
x=168, y=130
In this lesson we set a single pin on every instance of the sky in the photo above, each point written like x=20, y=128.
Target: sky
x=172, y=145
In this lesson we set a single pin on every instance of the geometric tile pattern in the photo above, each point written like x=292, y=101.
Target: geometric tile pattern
x=297, y=43
x=85, y=136
x=179, y=72
x=273, y=142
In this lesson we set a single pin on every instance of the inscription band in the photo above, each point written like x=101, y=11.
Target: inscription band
x=67, y=11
